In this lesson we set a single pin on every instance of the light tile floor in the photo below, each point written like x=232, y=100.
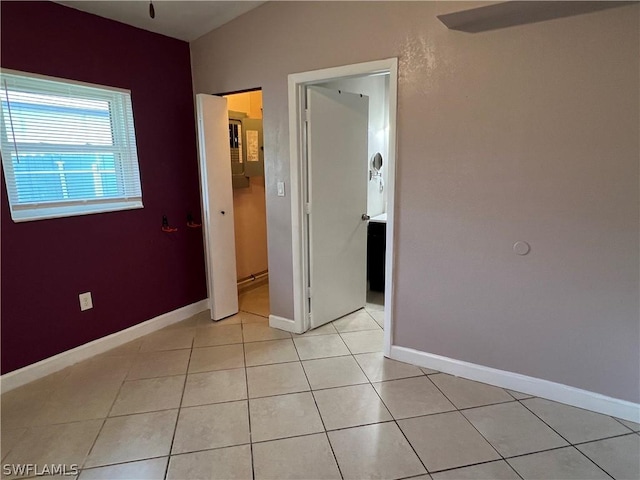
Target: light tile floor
x=238, y=400
x=255, y=301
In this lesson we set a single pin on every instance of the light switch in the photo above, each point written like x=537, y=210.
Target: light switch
x=281, y=189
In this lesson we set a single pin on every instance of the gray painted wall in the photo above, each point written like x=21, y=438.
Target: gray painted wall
x=526, y=133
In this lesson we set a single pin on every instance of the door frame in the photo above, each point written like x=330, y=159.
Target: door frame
x=297, y=82
x=204, y=198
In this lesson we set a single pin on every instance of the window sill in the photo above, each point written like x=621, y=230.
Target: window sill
x=40, y=212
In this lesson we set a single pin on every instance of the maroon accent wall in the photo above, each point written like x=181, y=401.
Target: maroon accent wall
x=134, y=271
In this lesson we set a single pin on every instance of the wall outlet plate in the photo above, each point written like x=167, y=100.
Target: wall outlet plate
x=86, y=302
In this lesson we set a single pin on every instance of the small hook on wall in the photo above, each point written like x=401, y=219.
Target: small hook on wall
x=191, y=223
x=165, y=226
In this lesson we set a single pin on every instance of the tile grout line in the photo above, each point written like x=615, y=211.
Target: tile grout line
x=369, y=382
x=565, y=439
x=579, y=444
x=104, y=420
x=496, y=460
x=246, y=383
x=382, y=401
x=86, y=457
x=117, y=416
x=315, y=402
x=200, y=450
x=520, y=401
x=395, y=421
x=158, y=352
x=115, y=464
x=620, y=422
x=474, y=427
x=175, y=427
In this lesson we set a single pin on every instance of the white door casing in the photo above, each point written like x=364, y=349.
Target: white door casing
x=337, y=137
x=217, y=205
x=297, y=83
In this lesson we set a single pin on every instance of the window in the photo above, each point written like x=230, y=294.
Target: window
x=67, y=148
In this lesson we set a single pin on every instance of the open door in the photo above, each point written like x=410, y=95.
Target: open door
x=337, y=188
x=217, y=203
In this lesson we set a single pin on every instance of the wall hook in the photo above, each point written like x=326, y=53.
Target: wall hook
x=165, y=226
x=191, y=223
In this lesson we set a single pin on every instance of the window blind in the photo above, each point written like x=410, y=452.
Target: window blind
x=67, y=148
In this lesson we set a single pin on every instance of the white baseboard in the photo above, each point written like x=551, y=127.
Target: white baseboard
x=521, y=383
x=37, y=370
x=282, y=323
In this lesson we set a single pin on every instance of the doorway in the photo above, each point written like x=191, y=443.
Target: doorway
x=249, y=201
x=231, y=161
x=350, y=78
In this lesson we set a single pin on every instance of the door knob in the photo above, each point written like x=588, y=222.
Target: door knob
x=365, y=217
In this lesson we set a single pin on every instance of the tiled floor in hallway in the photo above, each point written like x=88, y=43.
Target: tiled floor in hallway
x=237, y=399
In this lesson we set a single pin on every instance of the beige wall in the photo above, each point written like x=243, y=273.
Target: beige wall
x=247, y=102
x=250, y=215
x=526, y=133
x=249, y=204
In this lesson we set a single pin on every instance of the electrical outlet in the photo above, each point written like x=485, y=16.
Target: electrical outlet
x=85, y=301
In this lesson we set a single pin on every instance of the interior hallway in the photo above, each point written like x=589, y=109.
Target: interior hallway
x=238, y=399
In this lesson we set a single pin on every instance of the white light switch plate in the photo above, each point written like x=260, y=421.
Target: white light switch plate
x=281, y=189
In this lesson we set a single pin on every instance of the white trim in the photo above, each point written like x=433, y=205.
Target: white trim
x=50, y=365
x=558, y=392
x=297, y=212
x=28, y=213
x=9, y=71
x=286, y=324
x=391, y=195
x=204, y=206
x=119, y=111
x=296, y=84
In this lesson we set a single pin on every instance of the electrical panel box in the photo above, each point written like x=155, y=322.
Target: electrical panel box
x=246, y=142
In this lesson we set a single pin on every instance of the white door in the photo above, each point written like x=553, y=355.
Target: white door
x=217, y=202
x=337, y=188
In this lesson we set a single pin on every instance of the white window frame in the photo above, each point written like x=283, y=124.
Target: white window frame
x=123, y=135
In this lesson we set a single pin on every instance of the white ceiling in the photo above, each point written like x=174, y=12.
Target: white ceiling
x=185, y=20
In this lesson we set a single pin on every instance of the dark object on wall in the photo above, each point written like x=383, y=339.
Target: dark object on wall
x=254, y=147
x=191, y=223
x=246, y=143
x=376, y=248
x=509, y=14
x=165, y=226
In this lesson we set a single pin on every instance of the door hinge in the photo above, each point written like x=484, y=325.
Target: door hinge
x=308, y=292
x=307, y=208
x=306, y=115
